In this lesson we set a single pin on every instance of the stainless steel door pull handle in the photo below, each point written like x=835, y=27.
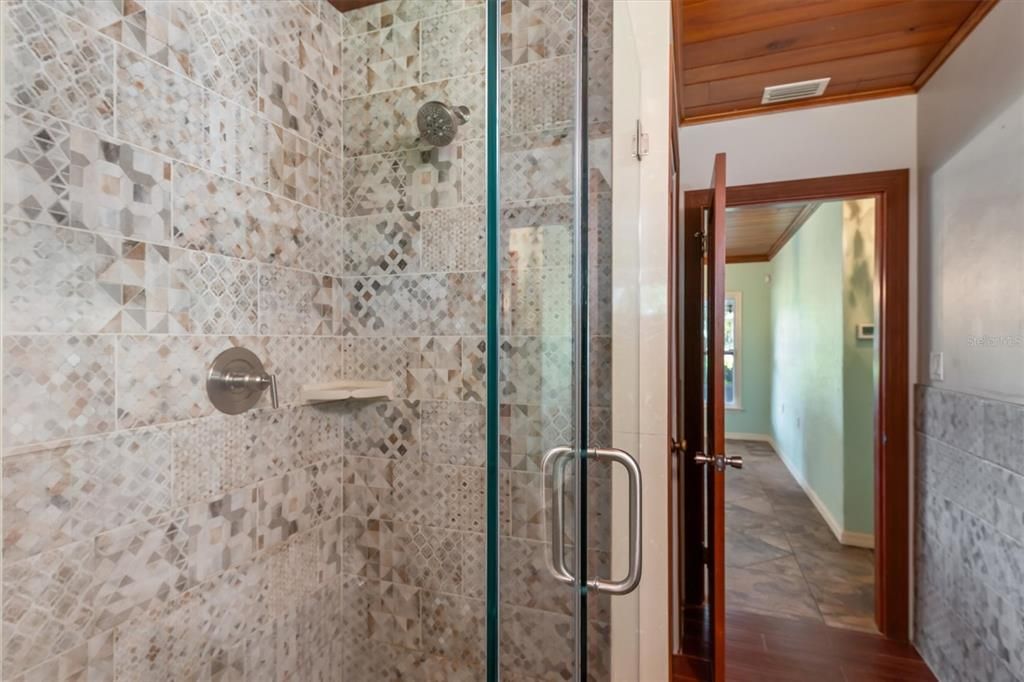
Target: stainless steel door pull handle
x=632, y=579
x=554, y=464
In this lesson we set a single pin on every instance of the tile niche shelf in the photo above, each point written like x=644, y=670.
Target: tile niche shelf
x=346, y=390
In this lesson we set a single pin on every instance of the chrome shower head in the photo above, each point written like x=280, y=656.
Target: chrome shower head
x=439, y=123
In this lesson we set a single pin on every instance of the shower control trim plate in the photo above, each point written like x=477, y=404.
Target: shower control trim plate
x=237, y=380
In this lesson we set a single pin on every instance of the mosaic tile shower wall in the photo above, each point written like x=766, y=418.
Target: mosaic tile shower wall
x=413, y=294
x=164, y=201
x=969, y=546
x=414, y=285
x=184, y=177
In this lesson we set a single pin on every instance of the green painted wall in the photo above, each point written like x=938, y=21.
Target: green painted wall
x=858, y=365
x=821, y=380
x=807, y=350
x=754, y=414
x=805, y=378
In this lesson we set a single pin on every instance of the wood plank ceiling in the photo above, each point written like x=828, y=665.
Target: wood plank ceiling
x=756, y=233
x=730, y=50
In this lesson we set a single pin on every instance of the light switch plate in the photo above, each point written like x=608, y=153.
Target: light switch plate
x=935, y=368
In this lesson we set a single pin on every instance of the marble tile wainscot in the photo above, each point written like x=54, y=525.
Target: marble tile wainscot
x=969, y=601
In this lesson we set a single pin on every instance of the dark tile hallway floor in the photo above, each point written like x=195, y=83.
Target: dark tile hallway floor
x=781, y=557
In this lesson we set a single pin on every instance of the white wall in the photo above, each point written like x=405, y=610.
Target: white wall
x=832, y=140
x=971, y=128
x=640, y=330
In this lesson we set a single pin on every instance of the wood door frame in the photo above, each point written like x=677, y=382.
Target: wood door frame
x=891, y=190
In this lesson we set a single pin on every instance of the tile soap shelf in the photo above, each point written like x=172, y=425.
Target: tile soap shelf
x=346, y=390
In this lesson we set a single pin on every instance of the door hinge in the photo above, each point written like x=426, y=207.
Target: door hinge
x=641, y=142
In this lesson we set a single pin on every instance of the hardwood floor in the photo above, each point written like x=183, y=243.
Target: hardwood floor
x=810, y=624
x=761, y=648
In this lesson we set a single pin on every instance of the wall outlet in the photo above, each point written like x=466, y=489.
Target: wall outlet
x=935, y=366
x=798, y=423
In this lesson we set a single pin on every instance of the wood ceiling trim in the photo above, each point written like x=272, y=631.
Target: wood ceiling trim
x=746, y=259
x=794, y=226
x=968, y=25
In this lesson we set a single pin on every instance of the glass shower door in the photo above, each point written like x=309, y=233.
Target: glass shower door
x=552, y=129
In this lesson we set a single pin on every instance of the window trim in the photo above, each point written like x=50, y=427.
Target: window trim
x=737, y=297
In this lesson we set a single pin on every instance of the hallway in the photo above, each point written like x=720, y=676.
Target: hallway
x=782, y=559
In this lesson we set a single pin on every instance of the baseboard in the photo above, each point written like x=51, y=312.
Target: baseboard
x=854, y=539
x=843, y=536
x=826, y=513
x=764, y=438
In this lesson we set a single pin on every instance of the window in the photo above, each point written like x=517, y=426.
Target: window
x=732, y=344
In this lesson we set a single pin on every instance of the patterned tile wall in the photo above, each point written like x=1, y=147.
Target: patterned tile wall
x=185, y=177
x=58, y=66
x=172, y=189
x=969, y=563
x=412, y=292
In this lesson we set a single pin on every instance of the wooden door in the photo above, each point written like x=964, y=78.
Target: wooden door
x=714, y=459
x=701, y=424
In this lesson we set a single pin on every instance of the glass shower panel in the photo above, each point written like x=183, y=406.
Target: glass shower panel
x=545, y=621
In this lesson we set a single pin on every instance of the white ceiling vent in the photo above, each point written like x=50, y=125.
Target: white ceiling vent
x=788, y=92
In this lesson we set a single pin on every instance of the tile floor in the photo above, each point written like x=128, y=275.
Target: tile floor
x=781, y=557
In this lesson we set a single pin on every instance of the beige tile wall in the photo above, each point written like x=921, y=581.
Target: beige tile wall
x=163, y=202
x=414, y=283
x=185, y=177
